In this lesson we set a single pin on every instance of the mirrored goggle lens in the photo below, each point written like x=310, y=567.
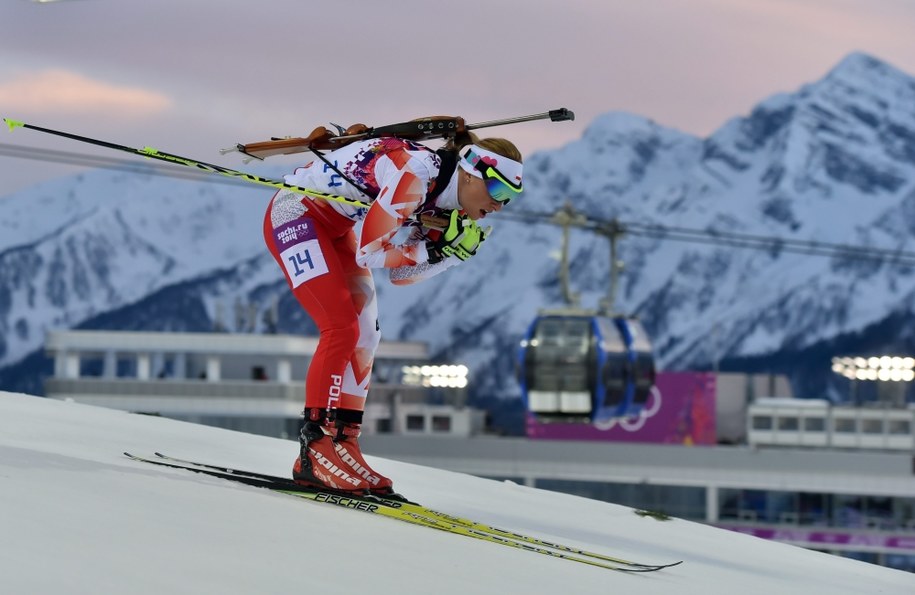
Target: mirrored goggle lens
x=500, y=189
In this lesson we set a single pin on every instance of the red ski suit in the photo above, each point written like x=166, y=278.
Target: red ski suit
x=327, y=258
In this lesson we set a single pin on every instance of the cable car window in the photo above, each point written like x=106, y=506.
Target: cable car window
x=559, y=354
x=644, y=376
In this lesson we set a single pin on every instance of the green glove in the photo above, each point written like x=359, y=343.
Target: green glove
x=461, y=238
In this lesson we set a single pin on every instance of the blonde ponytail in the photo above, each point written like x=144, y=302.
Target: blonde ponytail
x=502, y=146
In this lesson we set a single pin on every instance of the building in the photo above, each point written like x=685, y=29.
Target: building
x=252, y=383
x=817, y=423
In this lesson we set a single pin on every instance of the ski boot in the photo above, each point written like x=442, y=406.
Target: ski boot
x=330, y=456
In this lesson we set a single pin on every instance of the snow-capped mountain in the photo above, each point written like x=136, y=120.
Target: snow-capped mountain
x=82, y=246
x=832, y=162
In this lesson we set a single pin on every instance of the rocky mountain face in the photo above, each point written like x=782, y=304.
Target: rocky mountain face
x=833, y=162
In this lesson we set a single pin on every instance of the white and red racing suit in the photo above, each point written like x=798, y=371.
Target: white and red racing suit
x=327, y=259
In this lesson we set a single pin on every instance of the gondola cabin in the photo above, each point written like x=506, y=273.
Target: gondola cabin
x=577, y=366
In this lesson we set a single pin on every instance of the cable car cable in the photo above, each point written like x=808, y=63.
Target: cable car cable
x=770, y=244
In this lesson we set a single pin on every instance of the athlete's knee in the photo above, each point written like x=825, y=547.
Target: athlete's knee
x=344, y=336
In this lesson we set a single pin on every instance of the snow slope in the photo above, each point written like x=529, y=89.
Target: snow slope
x=78, y=517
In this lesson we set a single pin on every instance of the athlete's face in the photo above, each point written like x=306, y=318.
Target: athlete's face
x=474, y=198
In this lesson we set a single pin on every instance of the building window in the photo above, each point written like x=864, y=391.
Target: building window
x=383, y=426
x=872, y=426
x=91, y=366
x=845, y=425
x=441, y=423
x=789, y=424
x=814, y=424
x=899, y=427
x=416, y=423
x=762, y=422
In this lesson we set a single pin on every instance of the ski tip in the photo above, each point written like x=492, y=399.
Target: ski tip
x=636, y=567
x=672, y=564
x=13, y=124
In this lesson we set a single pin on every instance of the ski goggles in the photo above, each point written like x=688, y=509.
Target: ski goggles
x=483, y=164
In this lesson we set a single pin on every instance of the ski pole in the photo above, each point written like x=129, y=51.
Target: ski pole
x=152, y=153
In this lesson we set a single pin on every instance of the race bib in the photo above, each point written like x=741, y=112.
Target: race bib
x=300, y=251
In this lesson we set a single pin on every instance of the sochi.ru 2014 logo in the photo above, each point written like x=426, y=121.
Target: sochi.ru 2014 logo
x=293, y=233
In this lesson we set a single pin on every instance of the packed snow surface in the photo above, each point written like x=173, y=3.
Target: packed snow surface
x=76, y=516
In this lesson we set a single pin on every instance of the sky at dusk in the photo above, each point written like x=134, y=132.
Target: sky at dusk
x=192, y=76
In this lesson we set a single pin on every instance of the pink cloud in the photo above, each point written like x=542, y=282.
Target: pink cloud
x=61, y=91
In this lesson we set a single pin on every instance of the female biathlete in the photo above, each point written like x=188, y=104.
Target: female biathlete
x=328, y=260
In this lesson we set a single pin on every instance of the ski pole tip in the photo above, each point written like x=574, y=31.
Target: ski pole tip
x=13, y=124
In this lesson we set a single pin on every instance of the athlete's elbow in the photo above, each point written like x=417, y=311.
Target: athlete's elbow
x=363, y=260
